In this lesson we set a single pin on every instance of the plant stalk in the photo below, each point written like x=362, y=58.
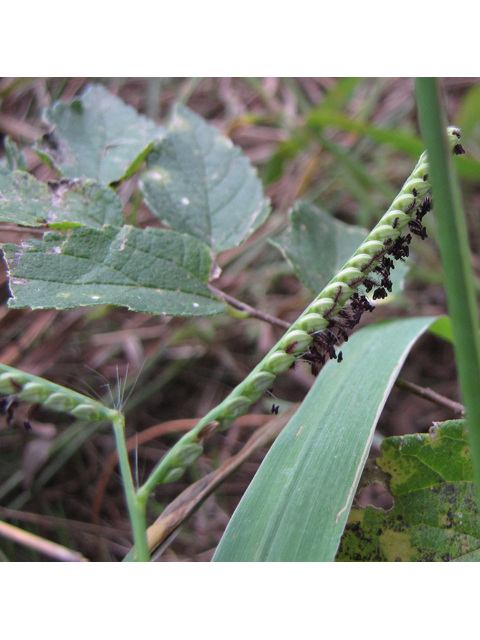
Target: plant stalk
x=136, y=509
x=456, y=260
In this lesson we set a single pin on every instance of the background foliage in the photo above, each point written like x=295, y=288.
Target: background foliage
x=342, y=145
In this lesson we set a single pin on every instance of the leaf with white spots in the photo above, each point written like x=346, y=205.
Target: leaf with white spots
x=24, y=200
x=199, y=183
x=97, y=136
x=148, y=270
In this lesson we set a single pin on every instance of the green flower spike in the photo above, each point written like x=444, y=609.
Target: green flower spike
x=313, y=327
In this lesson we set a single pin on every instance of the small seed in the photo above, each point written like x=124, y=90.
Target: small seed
x=187, y=455
x=295, y=342
x=225, y=422
x=236, y=407
x=259, y=383
x=455, y=133
x=60, y=402
x=312, y=322
x=396, y=219
x=263, y=380
x=208, y=429
x=403, y=201
x=321, y=306
x=173, y=474
x=421, y=187
x=34, y=392
x=278, y=362
x=11, y=382
x=87, y=412
x=361, y=261
x=421, y=170
x=371, y=248
x=384, y=232
x=350, y=276
x=336, y=291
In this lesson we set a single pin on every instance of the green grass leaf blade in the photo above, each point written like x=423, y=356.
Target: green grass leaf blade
x=297, y=505
x=456, y=259
x=396, y=138
x=320, y=118
x=468, y=115
x=443, y=328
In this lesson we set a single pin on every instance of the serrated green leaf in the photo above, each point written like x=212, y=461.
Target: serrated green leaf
x=25, y=200
x=199, y=183
x=296, y=507
x=148, y=270
x=98, y=136
x=317, y=245
x=434, y=517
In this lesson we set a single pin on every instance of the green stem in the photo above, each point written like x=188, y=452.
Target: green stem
x=135, y=506
x=455, y=255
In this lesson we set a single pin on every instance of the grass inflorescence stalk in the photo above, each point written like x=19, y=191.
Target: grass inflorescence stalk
x=24, y=386
x=30, y=388
x=312, y=338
